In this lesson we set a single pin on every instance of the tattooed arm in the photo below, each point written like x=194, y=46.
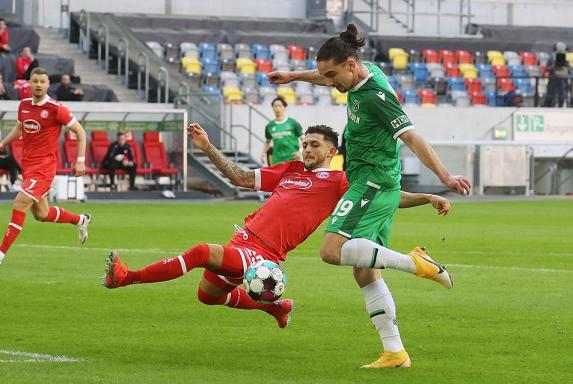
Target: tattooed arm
x=238, y=176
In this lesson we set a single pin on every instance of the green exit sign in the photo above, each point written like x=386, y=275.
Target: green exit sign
x=529, y=123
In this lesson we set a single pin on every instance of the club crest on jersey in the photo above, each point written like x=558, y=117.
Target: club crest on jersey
x=44, y=114
x=31, y=126
x=296, y=183
x=355, y=106
x=322, y=175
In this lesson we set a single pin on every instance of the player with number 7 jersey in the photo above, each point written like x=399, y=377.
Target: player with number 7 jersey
x=40, y=121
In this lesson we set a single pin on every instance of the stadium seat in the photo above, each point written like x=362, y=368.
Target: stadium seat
x=452, y=70
x=274, y=48
x=245, y=65
x=267, y=94
x=387, y=68
x=250, y=95
x=411, y=97
x=447, y=56
x=480, y=58
x=338, y=97
x=492, y=54
x=430, y=56
x=310, y=64
x=304, y=93
x=524, y=87
x=420, y=72
x=298, y=65
x=208, y=50
x=488, y=84
x=473, y=85
x=485, y=71
x=210, y=65
x=436, y=70
x=415, y=56
x=211, y=79
x=456, y=84
x=528, y=58
x=191, y=65
x=366, y=53
x=287, y=93
x=505, y=85
x=189, y=50
x=142, y=168
x=491, y=98
x=156, y=48
x=512, y=58
x=296, y=52
x=460, y=99
x=311, y=53
x=263, y=80
x=470, y=73
x=322, y=95
x=498, y=61
x=61, y=168
x=533, y=71
x=243, y=51
x=264, y=66
x=570, y=58
x=478, y=98
x=517, y=71
x=440, y=85
x=500, y=71
x=17, y=149
x=230, y=79
x=261, y=52
x=172, y=53
x=428, y=97
x=542, y=58
x=228, y=65
x=156, y=156
x=406, y=81
x=464, y=57
x=211, y=90
x=98, y=148
x=467, y=67
x=232, y=95
x=71, y=154
x=393, y=82
x=400, y=97
x=225, y=51
x=248, y=80
x=393, y=52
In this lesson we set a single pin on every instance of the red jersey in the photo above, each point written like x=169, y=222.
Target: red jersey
x=300, y=202
x=22, y=65
x=41, y=127
x=4, y=38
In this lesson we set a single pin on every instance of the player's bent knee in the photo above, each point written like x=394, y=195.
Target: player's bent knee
x=330, y=254
x=209, y=299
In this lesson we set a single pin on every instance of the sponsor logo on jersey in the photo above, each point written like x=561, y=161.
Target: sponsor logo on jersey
x=24, y=111
x=323, y=175
x=355, y=105
x=44, y=114
x=296, y=183
x=382, y=95
x=352, y=116
x=363, y=202
x=31, y=126
x=400, y=120
x=334, y=219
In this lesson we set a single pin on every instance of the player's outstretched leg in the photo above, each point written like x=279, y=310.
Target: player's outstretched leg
x=364, y=253
x=12, y=232
x=213, y=290
x=52, y=214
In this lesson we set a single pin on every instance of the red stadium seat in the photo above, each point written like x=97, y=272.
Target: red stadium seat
x=427, y=96
x=151, y=137
x=473, y=85
x=100, y=136
x=399, y=96
x=528, y=58
x=464, y=57
x=430, y=56
x=478, y=98
x=71, y=154
x=156, y=156
x=141, y=169
x=447, y=56
x=16, y=149
x=264, y=66
x=505, y=85
x=452, y=70
x=296, y=52
x=61, y=168
x=500, y=71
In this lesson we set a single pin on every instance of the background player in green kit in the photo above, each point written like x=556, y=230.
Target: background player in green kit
x=283, y=134
x=359, y=227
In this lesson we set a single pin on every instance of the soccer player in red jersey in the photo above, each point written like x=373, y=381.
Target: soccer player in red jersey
x=304, y=194
x=40, y=121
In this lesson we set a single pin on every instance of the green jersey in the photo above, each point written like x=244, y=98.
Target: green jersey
x=285, y=136
x=375, y=120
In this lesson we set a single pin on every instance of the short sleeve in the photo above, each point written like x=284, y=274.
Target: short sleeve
x=268, y=132
x=343, y=184
x=297, y=129
x=267, y=178
x=386, y=109
x=65, y=117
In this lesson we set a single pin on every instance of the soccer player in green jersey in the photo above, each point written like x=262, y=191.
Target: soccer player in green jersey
x=359, y=228
x=284, y=134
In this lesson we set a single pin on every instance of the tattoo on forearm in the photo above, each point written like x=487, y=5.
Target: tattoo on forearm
x=238, y=175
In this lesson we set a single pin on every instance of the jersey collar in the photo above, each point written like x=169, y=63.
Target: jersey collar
x=319, y=170
x=41, y=102
x=357, y=86
x=282, y=121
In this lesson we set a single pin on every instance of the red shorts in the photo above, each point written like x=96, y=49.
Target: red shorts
x=37, y=185
x=250, y=252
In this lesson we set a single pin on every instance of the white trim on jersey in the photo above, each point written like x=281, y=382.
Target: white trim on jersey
x=321, y=170
x=30, y=195
x=52, y=101
x=405, y=129
x=72, y=121
x=357, y=86
x=41, y=102
x=258, y=179
x=243, y=260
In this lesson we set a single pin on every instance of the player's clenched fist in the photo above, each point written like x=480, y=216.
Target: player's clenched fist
x=279, y=77
x=198, y=136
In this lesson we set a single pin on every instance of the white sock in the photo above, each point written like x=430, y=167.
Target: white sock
x=367, y=254
x=1, y=256
x=382, y=310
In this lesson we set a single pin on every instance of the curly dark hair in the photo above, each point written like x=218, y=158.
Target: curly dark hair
x=326, y=131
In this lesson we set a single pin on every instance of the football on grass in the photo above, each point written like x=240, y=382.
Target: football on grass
x=265, y=281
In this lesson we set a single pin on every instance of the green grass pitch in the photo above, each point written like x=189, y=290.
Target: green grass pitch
x=508, y=319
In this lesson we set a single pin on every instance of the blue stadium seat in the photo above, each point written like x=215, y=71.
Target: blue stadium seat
x=393, y=82
x=263, y=80
x=456, y=84
x=485, y=71
x=420, y=72
x=524, y=87
x=411, y=97
x=311, y=64
x=211, y=89
x=208, y=50
x=210, y=65
x=517, y=71
x=261, y=52
x=491, y=98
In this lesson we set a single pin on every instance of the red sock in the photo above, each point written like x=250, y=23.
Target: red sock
x=60, y=215
x=13, y=230
x=238, y=298
x=170, y=268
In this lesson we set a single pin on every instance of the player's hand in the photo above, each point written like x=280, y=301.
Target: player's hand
x=280, y=77
x=2, y=146
x=198, y=136
x=263, y=159
x=80, y=168
x=441, y=204
x=459, y=184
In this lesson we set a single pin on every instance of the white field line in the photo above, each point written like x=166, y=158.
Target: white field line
x=35, y=358
x=168, y=252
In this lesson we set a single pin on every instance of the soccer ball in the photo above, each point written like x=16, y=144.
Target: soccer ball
x=265, y=281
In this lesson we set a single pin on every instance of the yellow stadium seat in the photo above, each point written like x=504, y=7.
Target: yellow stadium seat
x=467, y=67
x=400, y=61
x=570, y=58
x=392, y=52
x=338, y=97
x=191, y=65
x=470, y=74
x=287, y=93
x=337, y=162
x=246, y=66
x=498, y=60
x=492, y=54
x=232, y=94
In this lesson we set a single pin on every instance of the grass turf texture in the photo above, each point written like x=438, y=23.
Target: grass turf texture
x=508, y=319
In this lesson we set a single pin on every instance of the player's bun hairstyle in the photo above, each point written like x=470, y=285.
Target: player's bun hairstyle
x=281, y=99
x=39, y=71
x=343, y=46
x=326, y=131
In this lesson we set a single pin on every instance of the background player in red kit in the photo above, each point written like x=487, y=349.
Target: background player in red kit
x=304, y=195
x=40, y=121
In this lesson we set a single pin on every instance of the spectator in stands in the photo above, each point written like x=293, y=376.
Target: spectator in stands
x=25, y=62
x=283, y=134
x=9, y=163
x=4, y=38
x=3, y=91
x=65, y=92
x=120, y=156
x=558, y=69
